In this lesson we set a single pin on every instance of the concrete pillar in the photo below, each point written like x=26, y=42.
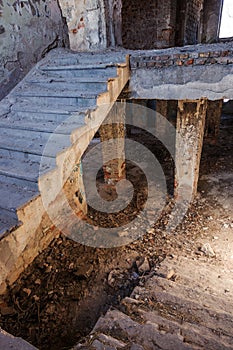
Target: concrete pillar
x=114, y=129
x=211, y=19
x=189, y=140
x=213, y=119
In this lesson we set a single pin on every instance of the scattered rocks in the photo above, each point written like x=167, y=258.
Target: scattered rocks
x=166, y=272
x=143, y=266
x=207, y=250
x=84, y=271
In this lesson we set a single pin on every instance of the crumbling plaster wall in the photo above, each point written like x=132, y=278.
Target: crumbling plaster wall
x=28, y=29
x=86, y=23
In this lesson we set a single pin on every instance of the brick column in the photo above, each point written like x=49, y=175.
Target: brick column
x=190, y=132
x=113, y=129
x=213, y=119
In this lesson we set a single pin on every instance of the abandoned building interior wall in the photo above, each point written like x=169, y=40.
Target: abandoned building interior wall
x=148, y=25
x=86, y=23
x=28, y=30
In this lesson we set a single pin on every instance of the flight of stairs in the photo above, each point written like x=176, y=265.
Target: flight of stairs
x=56, y=97
x=186, y=304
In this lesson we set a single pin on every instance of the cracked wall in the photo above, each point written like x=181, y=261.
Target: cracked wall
x=28, y=29
x=86, y=24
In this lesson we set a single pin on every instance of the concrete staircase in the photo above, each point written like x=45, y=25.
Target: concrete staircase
x=46, y=124
x=57, y=97
x=186, y=304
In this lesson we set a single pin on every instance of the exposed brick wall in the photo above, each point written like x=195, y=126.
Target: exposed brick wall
x=193, y=14
x=188, y=26
x=148, y=24
x=158, y=60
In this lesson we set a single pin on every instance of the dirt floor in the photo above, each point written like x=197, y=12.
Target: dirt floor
x=58, y=299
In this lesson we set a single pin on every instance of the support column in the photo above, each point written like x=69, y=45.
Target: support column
x=189, y=140
x=114, y=129
x=162, y=109
x=212, y=11
x=213, y=119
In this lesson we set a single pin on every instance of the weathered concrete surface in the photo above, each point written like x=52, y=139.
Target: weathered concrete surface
x=44, y=131
x=186, y=73
x=86, y=24
x=8, y=342
x=28, y=30
x=183, y=306
x=190, y=128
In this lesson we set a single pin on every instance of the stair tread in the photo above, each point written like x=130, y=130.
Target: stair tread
x=75, y=71
x=62, y=124
x=207, y=278
x=191, y=293
x=8, y=221
x=37, y=92
x=84, y=57
x=9, y=342
x=40, y=78
x=33, y=142
x=193, y=333
x=92, y=88
x=119, y=325
x=77, y=66
x=14, y=193
x=24, y=166
x=23, y=106
x=190, y=311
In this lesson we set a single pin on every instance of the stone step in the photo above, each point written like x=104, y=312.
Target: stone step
x=27, y=107
x=38, y=91
x=80, y=71
x=60, y=123
x=8, y=221
x=147, y=335
x=102, y=341
x=86, y=66
x=40, y=77
x=9, y=342
x=24, y=166
x=73, y=58
x=178, y=308
x=63, y=86
x=55, y=100
x=190, y=293
x=14, y=193
x=192, y=333
x=33, y=142
x=205, y=277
